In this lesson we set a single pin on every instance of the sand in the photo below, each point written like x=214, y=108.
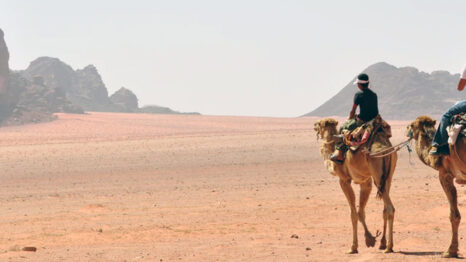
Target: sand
x=135, y=187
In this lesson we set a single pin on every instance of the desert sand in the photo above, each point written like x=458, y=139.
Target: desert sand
x=135, y=187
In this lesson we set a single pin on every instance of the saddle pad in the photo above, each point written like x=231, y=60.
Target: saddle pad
x=457, y=128
x=460, y=119
x=359, y=136
x=363, y=134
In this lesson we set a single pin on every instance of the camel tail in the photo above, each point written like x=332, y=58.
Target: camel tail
x=386, y=171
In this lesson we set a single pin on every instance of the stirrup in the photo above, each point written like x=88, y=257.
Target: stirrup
x=434, y=151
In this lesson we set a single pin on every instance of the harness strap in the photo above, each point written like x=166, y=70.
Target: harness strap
x=390, y=150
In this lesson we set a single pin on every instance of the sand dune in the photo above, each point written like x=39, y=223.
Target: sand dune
x=128, y=187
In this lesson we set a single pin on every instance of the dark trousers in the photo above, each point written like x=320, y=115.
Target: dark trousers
x=350, y=125
x=441, y=136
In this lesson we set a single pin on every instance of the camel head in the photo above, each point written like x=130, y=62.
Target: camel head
x=326, y=125
x=422, y=126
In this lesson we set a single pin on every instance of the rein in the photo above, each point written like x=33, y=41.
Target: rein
x=395, y=148
x=391, y=150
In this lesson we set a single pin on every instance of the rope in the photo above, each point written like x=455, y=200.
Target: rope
x=391, y=150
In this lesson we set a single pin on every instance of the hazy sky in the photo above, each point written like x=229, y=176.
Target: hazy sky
x=262, y=58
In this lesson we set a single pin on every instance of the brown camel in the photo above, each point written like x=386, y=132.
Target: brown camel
x=362, y=169
x=422, y=130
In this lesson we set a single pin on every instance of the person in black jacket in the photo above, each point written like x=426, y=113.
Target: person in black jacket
x=366, y=100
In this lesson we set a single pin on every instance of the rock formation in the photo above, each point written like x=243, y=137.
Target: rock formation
x=36, y=102
x=49, y=86
x=125, y=100
x=152, y=109
x=86, y=89
x=6, y=98
x=24, y=100
x=90, y=91
x=83, y=87
x=4, y=59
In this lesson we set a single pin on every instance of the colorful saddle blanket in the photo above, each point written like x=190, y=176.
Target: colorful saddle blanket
x=457, y=128
x=364, y=131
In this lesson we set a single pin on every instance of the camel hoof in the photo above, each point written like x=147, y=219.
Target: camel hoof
x=370, y=240
x=352, y=251
x=460, y=181
x=448, y=254
x=383, y=244
x=388, y=250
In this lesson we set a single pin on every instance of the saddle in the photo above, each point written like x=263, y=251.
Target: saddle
x=364, y=133
x=457, y=128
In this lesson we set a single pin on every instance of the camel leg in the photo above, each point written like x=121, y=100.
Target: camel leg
x=364, y=195
x=389, y=209
x=345, y=185
x=446, y=180
x=389, y=216
x=377, y=182
x=383, y=241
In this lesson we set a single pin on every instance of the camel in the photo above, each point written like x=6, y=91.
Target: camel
x=362, y=169
x=422, y=130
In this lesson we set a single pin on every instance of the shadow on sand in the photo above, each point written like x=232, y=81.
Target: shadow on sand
x=421, y=253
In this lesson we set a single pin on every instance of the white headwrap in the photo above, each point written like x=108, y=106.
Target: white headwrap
x=358, y=81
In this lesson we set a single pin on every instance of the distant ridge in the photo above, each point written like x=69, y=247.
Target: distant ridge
x=404, y=93
x=85, y=87
x=50, y=86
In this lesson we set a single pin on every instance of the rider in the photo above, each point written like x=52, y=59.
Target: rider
x=366, y=99
x=440, y=142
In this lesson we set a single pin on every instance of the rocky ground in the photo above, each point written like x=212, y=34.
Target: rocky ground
x=135, y=187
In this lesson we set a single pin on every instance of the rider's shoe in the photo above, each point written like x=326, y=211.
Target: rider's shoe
x=439, y=150
x=337, y=157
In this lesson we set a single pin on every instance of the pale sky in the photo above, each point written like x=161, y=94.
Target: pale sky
x=258, y=58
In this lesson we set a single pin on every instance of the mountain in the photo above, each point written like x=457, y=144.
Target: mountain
x=4, y=59
x=7, y=96
x=152, y=109
x=49, y=86
x=83, y=87
x=25, y=100
x=403, y=93
x=36, y=102
x=125, y=99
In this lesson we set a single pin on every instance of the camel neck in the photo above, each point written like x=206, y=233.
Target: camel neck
x=423, y=146
x=328, y=145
